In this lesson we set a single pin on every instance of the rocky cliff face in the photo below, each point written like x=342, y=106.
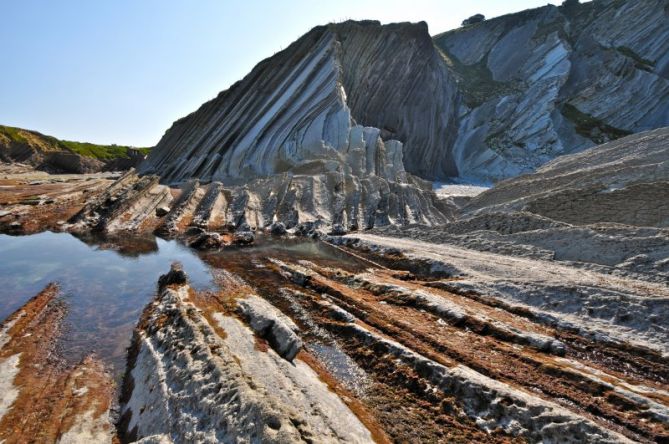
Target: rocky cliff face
x=299, y=110
x=287, y=135
x=556, y=80
x=49, y=154
x=488, y=101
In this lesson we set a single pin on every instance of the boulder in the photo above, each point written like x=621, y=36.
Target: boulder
x=207, y=241
x=243, y=238
x=277, y=229
x=162, y=211
x=176, y=276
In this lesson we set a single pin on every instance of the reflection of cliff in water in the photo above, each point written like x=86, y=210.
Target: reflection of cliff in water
x=105, y=283
x=130, y=246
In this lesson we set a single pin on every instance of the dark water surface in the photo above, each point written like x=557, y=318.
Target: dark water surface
x=106, y=284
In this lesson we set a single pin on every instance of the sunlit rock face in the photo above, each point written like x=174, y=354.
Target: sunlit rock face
x=323, y=130
x=484, y=102
x=556, y=80
x=625, y=182
x=299, y=110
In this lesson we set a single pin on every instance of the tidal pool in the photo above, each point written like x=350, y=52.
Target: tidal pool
x=107, y=283
x=104, y=286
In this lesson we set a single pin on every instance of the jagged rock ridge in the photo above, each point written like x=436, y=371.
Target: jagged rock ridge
x=488, y=101
x=286, y=147
x=556, y=80
x=297, y=111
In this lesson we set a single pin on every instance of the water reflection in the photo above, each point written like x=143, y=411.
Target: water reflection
x=106, y=283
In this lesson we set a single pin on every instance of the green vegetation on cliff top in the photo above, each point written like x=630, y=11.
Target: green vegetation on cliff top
x=95, y=151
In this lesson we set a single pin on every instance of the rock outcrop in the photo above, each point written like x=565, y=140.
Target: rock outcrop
x=42, y=397
x=556, y=80
x=285, y=143
x=296, y=112
x=60, y=156
x=625, y=181
x=488, y=101
x=197, y=373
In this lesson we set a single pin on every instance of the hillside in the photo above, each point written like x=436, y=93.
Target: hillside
x=481, y=103
x=62, y=156
x=555, y=80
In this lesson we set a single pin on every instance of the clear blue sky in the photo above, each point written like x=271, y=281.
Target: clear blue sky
x=121, y=71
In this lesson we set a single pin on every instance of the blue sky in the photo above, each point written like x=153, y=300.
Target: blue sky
x=121, y=71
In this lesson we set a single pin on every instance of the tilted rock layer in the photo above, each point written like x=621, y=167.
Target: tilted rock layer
x=626, y=181
x=484, y=102
x=284, y=142
x=555, y=80
x=297, y=111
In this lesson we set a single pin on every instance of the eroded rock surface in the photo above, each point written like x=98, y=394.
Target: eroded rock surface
x=555, y=80
x=626, y=181
x=45, y=399
x=140, y=204
x=198, y=373
x=484, y=102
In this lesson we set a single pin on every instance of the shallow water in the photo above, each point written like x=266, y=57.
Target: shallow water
x=105, y=289
x=107, y=283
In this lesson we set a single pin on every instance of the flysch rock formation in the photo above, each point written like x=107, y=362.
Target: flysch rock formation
x=42, y=397
x=534, y=311
x=285, y=144
x=535, y=291
x=484, y=102
x=200, y=373
x=556, y=80
x=605, y=209
x=625, y=182
x=297, y=111
x=235, y=366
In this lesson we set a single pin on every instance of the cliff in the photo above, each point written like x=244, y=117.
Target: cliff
x=485, y=102
x=299, y=110
x=288, y=136
x=62, y=156
x=556, y=80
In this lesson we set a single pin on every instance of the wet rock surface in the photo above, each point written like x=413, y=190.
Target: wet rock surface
x=534, y=311
x=350, y=346
x=225, y=388
x=44, y=398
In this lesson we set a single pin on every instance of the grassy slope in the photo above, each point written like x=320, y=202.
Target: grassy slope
x=49, y=143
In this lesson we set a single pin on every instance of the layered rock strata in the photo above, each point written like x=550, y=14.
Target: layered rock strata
x=206, y=366
x=625, y=182
x=297, y=111
x=43, y=398
x=484, y=102
x=225, y=388
x=555, y=80
x=303, y=204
